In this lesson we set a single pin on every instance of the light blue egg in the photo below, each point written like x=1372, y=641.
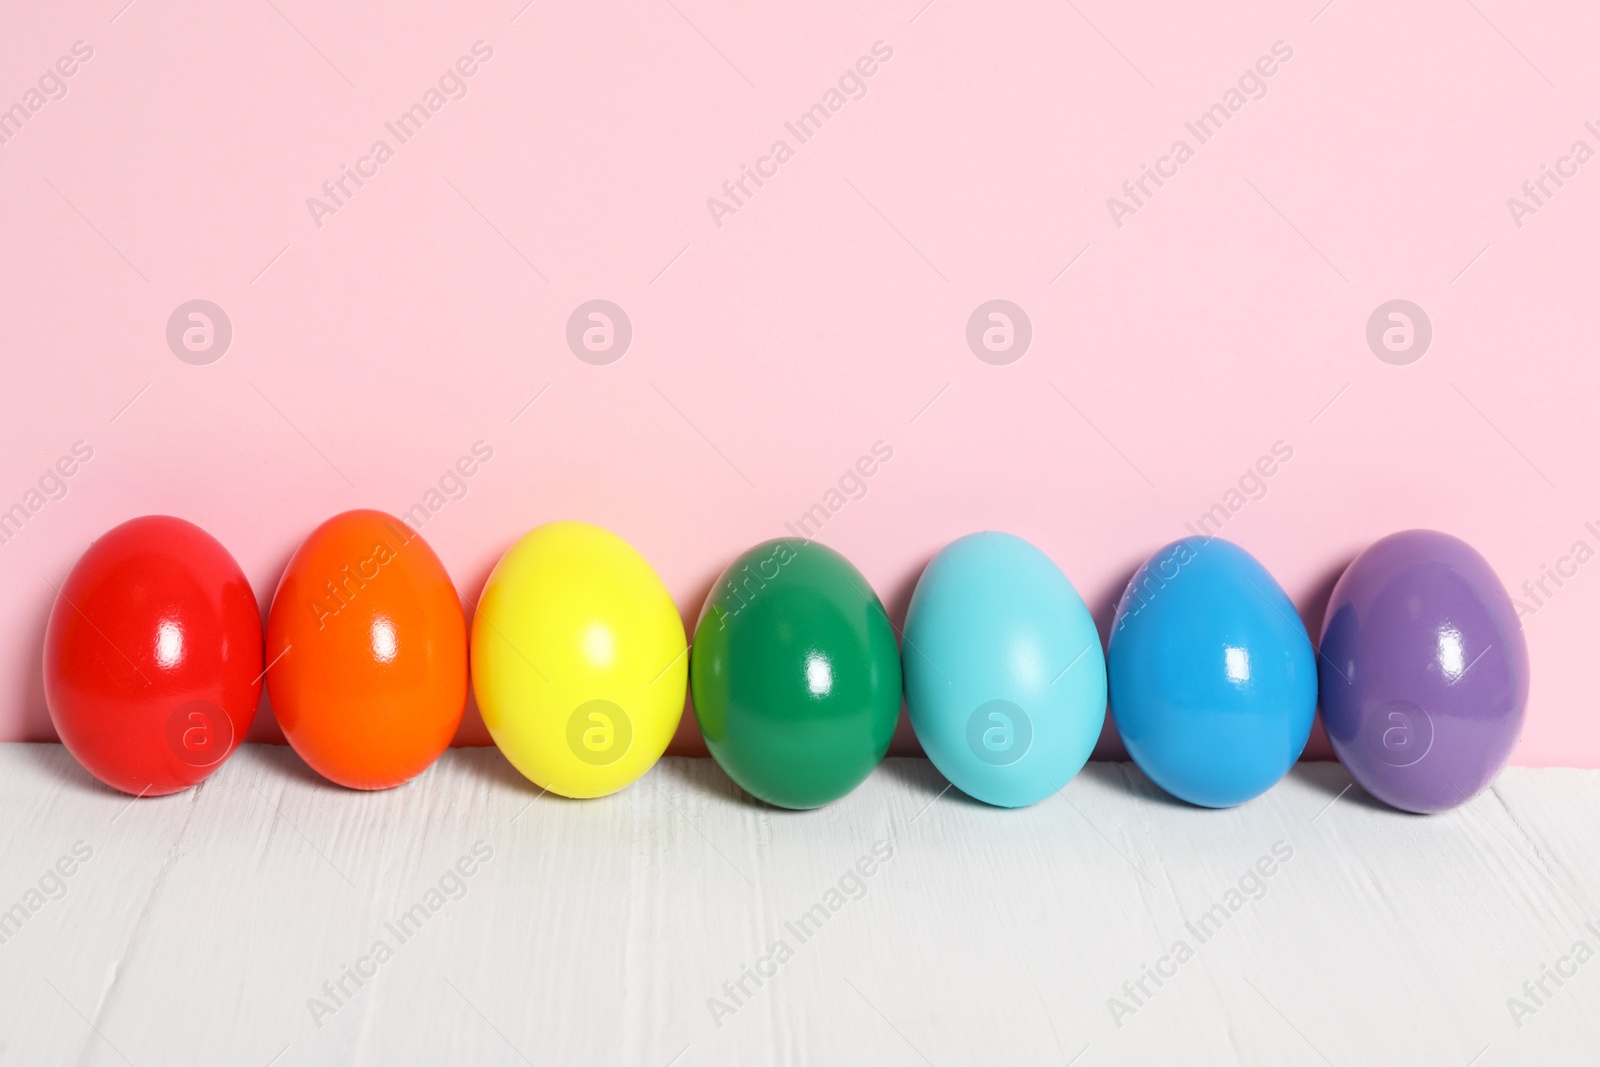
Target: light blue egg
x=1005, y=680
x=1213, y=680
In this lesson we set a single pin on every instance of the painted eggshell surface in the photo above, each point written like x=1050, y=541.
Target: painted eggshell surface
x=1005, y=679
x=1424, y=671
x=579, y=660
x=367, y=652
x=152, y=656
x=1212, y=676
x=795, y=674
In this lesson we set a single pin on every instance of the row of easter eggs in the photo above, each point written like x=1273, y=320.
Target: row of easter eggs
x=154, y=661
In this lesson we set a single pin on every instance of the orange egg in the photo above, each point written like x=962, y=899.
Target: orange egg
x=367, y=649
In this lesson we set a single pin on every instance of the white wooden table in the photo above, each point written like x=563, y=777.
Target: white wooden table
x=217, y=926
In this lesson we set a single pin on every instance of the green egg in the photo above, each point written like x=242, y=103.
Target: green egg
x=795, y=674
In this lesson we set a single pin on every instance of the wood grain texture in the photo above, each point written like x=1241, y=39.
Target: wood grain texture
x=202, y=925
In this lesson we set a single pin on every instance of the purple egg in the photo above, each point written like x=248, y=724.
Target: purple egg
x=1423, y=671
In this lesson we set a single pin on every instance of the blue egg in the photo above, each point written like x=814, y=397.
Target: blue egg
x=1213, y=680
x=1005, y=681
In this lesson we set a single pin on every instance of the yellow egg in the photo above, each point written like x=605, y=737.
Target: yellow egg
x=579, y=660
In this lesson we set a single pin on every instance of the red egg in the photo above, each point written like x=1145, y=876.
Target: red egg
x=152, y=657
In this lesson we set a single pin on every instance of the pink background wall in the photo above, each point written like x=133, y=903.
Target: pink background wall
x=829, y=311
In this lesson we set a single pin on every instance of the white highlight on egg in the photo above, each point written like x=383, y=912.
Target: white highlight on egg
x=1030, y=660
x=819, y=675
x=598, y=647
x=1452, y=653
x=169, y=643
x=1236, y=661
x=385, y=641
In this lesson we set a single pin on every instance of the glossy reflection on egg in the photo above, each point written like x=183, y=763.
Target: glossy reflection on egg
x=1212, y=677
x=795, y=674
x=1424, y=671
x=579, y=660
x=367, y=647
x=1005, y=678
x=152, y=656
